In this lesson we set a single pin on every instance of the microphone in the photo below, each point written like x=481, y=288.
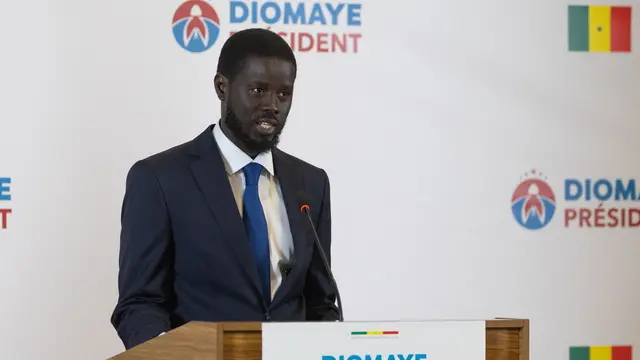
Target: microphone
x=285, y=266
x=306, y=209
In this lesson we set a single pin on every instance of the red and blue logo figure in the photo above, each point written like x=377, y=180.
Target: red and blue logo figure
x=533, y=202
x=196, y=26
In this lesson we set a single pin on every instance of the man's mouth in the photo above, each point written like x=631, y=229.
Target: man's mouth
x=267, y=126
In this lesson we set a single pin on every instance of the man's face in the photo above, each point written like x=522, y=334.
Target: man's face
x=258, y=101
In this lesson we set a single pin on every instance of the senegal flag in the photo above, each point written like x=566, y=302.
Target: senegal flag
x=600, y=28
x=617, y=352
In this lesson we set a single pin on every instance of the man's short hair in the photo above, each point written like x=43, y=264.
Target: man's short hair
x=252, y=42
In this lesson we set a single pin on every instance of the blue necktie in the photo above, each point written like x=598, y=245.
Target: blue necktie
x=255, y=224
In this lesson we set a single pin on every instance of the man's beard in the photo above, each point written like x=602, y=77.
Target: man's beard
x=242, y=133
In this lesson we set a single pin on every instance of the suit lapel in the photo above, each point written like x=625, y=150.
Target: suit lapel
x=213, y=181
x=290, y=183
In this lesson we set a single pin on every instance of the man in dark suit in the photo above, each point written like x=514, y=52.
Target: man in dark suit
x=212, y=229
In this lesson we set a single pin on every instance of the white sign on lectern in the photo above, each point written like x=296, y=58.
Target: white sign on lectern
x=423, y=340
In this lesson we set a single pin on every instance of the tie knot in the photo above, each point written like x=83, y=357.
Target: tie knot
x=252, y=173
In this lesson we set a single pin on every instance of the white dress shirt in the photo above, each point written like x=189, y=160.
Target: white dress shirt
x=280, y=239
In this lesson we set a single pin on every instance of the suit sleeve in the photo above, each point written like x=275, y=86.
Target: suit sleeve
x=319, y=291
x=145, y=260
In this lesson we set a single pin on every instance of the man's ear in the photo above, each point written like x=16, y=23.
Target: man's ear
x=221, y=85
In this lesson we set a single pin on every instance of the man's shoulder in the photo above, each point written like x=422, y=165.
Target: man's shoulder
x=176, y=154
x=169, y=159
x=300, y=165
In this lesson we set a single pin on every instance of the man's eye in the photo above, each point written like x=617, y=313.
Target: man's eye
x=257, y=91
x=284, y=93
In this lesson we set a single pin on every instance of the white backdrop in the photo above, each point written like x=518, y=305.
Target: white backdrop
x=425, y=134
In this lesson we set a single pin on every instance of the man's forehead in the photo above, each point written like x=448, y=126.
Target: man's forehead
x=272, y=66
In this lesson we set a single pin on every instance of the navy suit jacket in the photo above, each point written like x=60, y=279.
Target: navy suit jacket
x=185, y=256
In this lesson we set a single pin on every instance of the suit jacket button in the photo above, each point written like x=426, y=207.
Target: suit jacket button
x=267, y=317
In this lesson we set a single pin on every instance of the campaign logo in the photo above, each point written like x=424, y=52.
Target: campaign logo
x=5, y=196
x=533, y=202
x=196, y=26
x=321, y=27
x=586, y=202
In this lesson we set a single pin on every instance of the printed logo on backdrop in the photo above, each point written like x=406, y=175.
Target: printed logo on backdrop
x=533, y=203
x=587, y=202
x=196, y=26
x=5, y=202
x=320, y=27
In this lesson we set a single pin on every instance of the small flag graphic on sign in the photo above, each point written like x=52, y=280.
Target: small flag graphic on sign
x=363, y=333
x=599, y=28
x=600, y=353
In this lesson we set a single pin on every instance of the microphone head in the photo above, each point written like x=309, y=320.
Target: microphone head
x=285, y=266
x=304, y=202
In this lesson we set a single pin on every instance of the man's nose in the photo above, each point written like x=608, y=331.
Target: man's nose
x=271, y=103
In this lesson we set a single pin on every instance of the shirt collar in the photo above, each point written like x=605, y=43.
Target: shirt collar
x=236, y=159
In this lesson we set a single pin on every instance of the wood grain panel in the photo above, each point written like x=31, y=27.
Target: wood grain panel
x=503, y=344
x=243, y=345
x=197, y=341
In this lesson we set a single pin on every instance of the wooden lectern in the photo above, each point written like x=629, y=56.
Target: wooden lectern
x=507, y=339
